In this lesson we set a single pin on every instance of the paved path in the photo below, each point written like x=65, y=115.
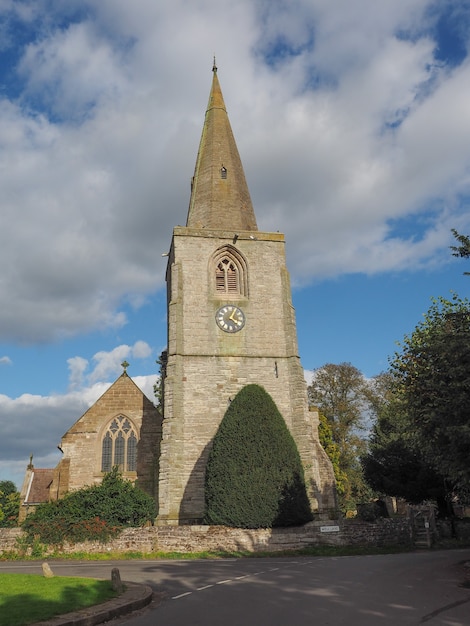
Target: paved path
x=401, y=589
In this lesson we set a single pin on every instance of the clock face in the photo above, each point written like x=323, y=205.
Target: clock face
x=230, y=318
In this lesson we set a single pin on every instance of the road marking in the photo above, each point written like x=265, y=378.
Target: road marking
x=229, y=580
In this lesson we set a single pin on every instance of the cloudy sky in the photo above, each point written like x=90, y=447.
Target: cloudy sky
x=352, y=118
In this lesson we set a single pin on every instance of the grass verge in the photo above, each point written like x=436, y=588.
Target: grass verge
x=29, y=598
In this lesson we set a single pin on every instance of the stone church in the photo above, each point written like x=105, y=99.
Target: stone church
x=231, y=322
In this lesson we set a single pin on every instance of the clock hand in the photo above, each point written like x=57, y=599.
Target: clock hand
x=231, y=317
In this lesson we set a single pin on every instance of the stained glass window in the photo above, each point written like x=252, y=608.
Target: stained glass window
x=119, y=446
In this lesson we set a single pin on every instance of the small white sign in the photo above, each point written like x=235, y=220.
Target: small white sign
x=329, y=529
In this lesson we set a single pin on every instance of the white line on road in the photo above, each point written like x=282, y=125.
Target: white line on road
x=188, y=593
x=229, y=580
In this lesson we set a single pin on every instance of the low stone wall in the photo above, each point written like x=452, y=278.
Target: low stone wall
x=9, y=539
x=454, y=529
x=219, y=538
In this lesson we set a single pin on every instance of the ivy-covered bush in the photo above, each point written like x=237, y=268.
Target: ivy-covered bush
x=254, y=476
x=97, y=512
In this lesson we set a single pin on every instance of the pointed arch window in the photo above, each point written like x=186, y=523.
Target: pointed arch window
x=119, y=445
x=230, y=274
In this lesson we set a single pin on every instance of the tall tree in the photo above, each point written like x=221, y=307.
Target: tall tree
x=395, y=464
x=432, y=373
x=463, y=250
x=342, y=395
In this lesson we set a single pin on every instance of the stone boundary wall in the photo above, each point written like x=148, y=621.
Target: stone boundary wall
x=219, y=538
x=455, y=528
x=8, y=537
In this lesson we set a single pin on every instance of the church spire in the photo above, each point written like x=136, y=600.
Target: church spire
x=219, y=194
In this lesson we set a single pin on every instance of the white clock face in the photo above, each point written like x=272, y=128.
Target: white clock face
x=230, y=318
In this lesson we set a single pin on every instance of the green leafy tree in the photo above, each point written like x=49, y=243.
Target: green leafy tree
x=463, y=250
x=343, y=396
x=9, y=504
x=96, y=512
x=325, y=436
x=254, y=476
x=394, y=464
x=158, y=390
x=432, y=374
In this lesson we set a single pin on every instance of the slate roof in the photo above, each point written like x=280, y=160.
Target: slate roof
x=38, y=488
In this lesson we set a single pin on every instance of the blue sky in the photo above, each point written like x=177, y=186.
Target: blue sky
x=353, y=125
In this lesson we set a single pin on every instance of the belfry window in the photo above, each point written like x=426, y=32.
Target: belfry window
x=226, y=277
x=230, y=272
x=119, y=446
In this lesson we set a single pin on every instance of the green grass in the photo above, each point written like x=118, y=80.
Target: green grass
x=29, y=598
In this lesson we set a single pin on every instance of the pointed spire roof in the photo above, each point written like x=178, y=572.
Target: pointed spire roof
x=219, y=194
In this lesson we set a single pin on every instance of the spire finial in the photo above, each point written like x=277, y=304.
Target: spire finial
x=214, y=66
x=125, y=365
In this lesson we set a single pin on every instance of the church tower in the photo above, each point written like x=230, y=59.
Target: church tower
x=230, y=323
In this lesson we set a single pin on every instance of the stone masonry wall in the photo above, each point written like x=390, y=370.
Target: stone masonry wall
x=206, y=367
x=81, y=444
x=187, y=539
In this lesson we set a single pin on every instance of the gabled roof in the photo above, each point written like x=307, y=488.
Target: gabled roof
x=122, y=395
x=220, y=198
x=38, y=488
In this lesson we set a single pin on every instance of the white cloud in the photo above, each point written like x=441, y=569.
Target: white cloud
x=141, y=350
x=72, y=70
x=109, y=362
x=344, y=125
x=5, y=360
x=77, y=367
x=106, y=364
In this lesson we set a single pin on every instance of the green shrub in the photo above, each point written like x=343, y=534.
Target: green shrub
x=9, y=504
x=97, y=512
x=371, y=511
x=254, y=476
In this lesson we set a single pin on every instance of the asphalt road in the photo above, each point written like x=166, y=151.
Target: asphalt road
x=402, y=589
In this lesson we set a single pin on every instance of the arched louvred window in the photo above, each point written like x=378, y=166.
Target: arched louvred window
x=119, y=445
x=227, y=276
x=230, y=272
